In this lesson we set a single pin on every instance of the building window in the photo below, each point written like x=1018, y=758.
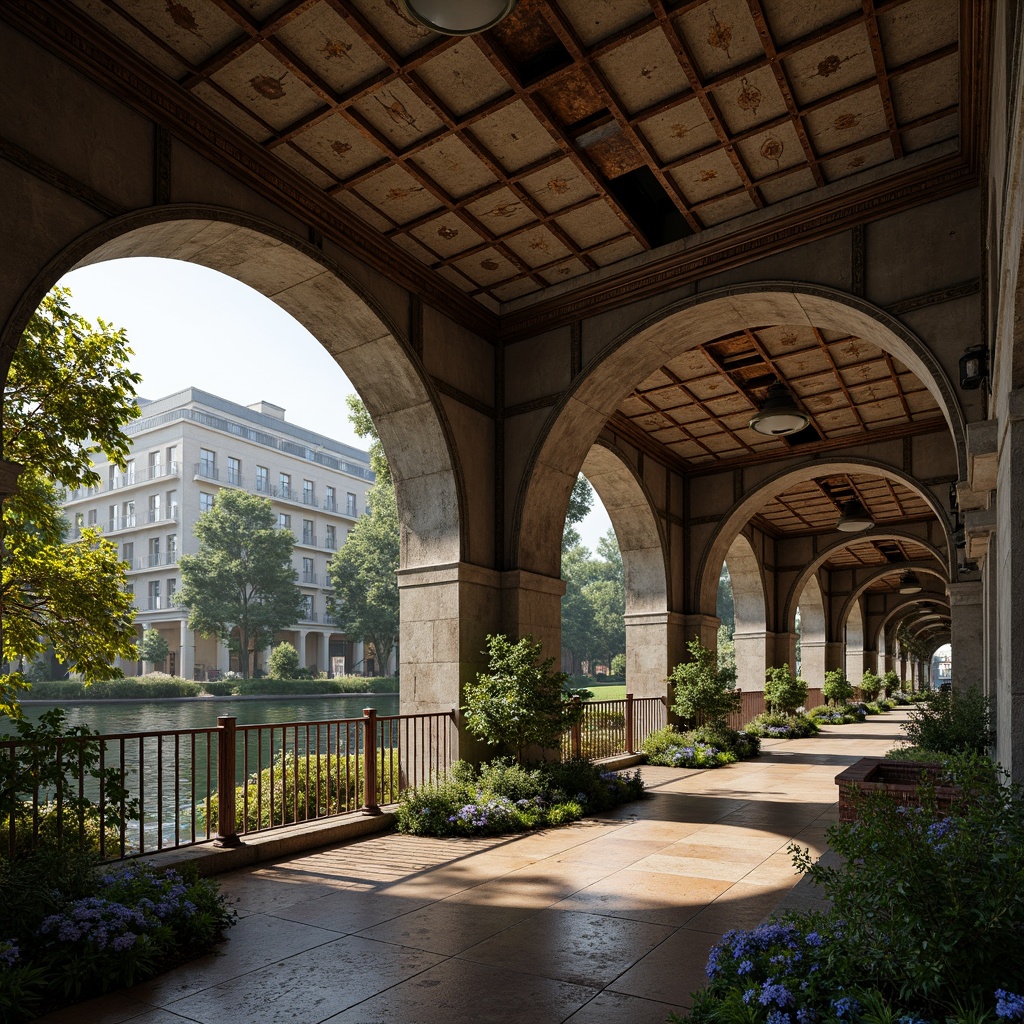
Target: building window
x=308, y=576
x=205, y=501
x=154, y=551
x=331, y=501
x=128, y=553
x=172, y=588
x=331, y=538
x=262, y=480
x=207, y=463
x=127, y=514
x=112, y=523
x=172, y=459
x=307, y=608
x=172, y=504
x=308, y=536
x=111, y=477
x=92, y=517
x=79, y=521
x=234, y=471
x=284, y=521
x=284, y=485
x=172, y=548
x=129, y=588
x=308, y=493
x=155, y=468
x=350, y=505
x=129, y=472
x=154, y=595
x=154, y=508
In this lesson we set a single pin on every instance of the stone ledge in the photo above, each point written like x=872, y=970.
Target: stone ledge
x=273, y=844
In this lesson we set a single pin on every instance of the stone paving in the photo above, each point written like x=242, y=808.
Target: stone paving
x=609, y=920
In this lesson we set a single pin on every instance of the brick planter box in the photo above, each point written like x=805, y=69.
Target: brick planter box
x=899, y=779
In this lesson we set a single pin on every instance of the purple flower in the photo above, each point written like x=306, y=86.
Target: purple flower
x=1009, y=1006
x=9, y=952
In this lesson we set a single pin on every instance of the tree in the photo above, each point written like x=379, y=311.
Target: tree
x=364, y=570
x=725, y=609
x=519, y=702
x=705, y=693
x=870, y=685
x=68, y=396
x=784, y=692
x=153, y=647
x=837, y=688
x=284, y=662
x=242, y=578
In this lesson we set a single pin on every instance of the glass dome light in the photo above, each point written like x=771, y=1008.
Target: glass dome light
x=854, y=518
x=778, y=414
x=458, y=17
x=910, y=583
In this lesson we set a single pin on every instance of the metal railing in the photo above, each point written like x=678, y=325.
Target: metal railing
x=205, y=471
x=136, y=793
x=611, y=727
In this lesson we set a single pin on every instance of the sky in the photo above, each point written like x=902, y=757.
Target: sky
x=187, y=324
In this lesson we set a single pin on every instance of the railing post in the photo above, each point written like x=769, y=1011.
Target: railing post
x=577, y=731
x=226, y=834
x=630, y=725
x=370, y=805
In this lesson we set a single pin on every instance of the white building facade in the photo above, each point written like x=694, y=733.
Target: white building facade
x=186, y=448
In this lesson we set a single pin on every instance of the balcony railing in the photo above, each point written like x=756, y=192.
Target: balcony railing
x=309, y=577
x=205, y=471
x=309, y=498
x=330, y=504
x=155, y=559
x=330, y=543
x=162, y=515
x=308, y=616
x=195, y=786
x=234, y=477
x=284, y=491
x=308, y=538
x=263, y=485
x=121, y=523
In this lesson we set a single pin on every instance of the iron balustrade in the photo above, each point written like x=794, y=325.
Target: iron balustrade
x=193, y=786
x=156, y=791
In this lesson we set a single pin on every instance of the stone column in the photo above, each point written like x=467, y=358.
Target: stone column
x=300, y=645
x=187, y=658
x=780, y=649
x=655, y=644
x=967, y=626
x=812, y=662
x=223, y=656
x=751, y=660
x=321, y=664
x=835, y=655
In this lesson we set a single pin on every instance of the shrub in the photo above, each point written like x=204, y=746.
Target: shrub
x=283, y=662
x=951, y=722
x=148, y=687
x=892, y=683
x=924, y=926
x=519, y=702
x=503, y=797
x=152, y=646
x=619, y=666
x=709, y=746
x=773, y=726
x=784, y=692
x=870, y=686
x=705, y=693
x=842, y=714
x=837, y=688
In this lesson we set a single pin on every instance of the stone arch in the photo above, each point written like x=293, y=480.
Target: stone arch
x=748, y=598
x=812, y=631
x=353, y=325
x=615, y=368
x=921, y=568
x=743, y=510
x=639, y=535
x=810, y=572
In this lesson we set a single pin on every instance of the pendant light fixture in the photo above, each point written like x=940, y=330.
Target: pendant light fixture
x=910, y=583
x=854, y=518
x=458, y=17
x=778, y=414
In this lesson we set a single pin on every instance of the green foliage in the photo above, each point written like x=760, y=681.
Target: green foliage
x=242, y=577
x=783, y=691
x=870, y=685
x=68, y=396
x=618, y=666
x=726, y=650
x=132, y=688
x=926, y=913
x=775, y=725
x=284, y=662
x=952, y=722
x=594, y=605
x=837, y=688
x=504, y=797
x=153, y=647
x=519, y=702
x=840, y=714
x=40, y=800
x=705, y=694
x=74, y=933
x=363, y=570
x=725, y=608
x=708, y=746
x=892, y=682
x=302, y=787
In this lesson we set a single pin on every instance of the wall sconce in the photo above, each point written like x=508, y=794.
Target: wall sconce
x=909, y=583
x=778, y=414
x=458, y=17
x=973, y=367
x=854, y=518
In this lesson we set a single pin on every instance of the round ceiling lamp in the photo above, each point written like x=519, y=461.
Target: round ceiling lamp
x=778, y=414
x=854, y=518
x=458, y=17
x=910, y=583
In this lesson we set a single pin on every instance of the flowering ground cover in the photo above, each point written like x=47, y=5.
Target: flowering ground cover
x=926, y=923
x=709, y=746
x=504, y=797
x=70, y=931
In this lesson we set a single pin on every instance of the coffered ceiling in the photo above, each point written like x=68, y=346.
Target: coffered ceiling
x=577, y=134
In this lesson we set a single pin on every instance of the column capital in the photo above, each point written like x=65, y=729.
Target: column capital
x=965, y=593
